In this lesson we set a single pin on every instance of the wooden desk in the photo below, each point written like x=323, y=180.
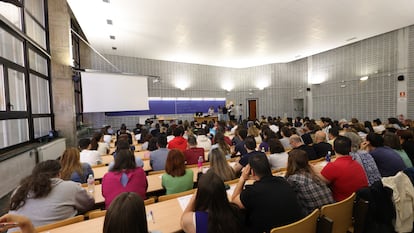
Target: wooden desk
x=167, y=215
x=207, y=118
x=99, y=172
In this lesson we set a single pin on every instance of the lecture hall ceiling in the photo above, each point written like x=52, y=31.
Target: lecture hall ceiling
x=234, y=33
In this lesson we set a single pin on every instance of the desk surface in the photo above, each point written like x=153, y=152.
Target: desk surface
x=167, y=215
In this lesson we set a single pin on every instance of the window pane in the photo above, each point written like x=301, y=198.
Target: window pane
x=17, y=91
x=42, y=126
x=11, y=13
x=2, y=96
x=39, y=91
x=37, y=63
x=36, y=8
x=34, y=31
x=13, y=132
x=10, y=47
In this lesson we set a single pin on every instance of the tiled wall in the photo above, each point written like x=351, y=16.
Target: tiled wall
x=377, y=97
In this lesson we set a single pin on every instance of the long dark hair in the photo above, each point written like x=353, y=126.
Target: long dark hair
x=126, y=214
x=124, y=160
x=211, y=196
x=38, y=183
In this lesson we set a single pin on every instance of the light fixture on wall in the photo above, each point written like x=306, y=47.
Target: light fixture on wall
x=262, y=84
x=364, y=78
x=181, y=84
x=227, y=85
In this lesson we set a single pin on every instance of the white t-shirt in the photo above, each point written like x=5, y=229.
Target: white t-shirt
x=278, y=160
x=92, y=157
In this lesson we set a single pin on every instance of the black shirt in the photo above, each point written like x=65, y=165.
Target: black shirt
x=269, y=202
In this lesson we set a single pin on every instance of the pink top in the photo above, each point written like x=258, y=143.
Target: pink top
x=135, y=181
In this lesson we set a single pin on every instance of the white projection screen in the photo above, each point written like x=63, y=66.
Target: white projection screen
x=111, y=92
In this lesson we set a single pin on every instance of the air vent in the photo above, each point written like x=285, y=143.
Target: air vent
x=114, y=48
x=112, y=37
x=107, y=1
x=109, y=21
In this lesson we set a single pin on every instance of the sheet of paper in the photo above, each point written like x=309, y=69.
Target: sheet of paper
x=184, y=201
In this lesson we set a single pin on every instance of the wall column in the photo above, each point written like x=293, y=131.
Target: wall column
x=402, y=64
x=62, y=86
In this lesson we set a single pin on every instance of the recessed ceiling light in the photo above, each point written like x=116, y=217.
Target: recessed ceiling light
x=364, y=78
x=114, y=48
x=112, y=37
x=109, y=21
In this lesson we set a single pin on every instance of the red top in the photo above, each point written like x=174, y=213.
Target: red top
x=178, y=142
x=136, y=182
x=192, y=155
x=346, y=176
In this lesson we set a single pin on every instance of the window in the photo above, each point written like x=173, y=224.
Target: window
x=13, y=132
x=39, y=95
x=25, y=91
x=12, y=13
x=11, y=47
x=17, y=91
x=42, y=126
x=2, y=96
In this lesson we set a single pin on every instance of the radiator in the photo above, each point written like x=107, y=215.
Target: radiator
x=52, y=150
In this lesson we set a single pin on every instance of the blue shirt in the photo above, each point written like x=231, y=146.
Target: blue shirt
x=388, y=161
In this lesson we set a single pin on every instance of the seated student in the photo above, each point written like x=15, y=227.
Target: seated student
x=296, y=143
x=312, y=192
x=124, y=131
x=193, y=153
x=239, y=148
x=388, y=161
x=321, y=147
x=45, y=198
x=177, y=178
x=267, y=134
x=278, y=157
x=285, y=132
x=255, y=132
x=344, y=175
x=152, y=146
x=158, y=157
x=126, y=214
x=124, y=145
x=209, y=209
x=98, y=144
x=220, y=142
x=250, y=144
x=407, y=143
x=202, y=140
x=391, y=140
x=72, y=168
x=178, y=142
x=125, y=176
x=220, y=166
x=270, y=201
x=92, y=157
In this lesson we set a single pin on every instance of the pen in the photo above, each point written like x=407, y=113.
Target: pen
x=152, y=216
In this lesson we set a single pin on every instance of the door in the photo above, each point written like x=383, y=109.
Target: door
x=252, y=109
x=298, y=107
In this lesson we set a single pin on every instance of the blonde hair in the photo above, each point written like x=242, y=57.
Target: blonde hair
x=70, y=162
x=253, y=131
x=219, y=165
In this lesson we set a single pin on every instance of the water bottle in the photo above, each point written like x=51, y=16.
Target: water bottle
x=263, y=149
x=328, y=157
x=200, y=162
x=91, y=184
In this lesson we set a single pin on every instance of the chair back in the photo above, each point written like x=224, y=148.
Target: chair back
x=340, y=213
x=175, y=195
x=305, y=225
x=78, y=218
x=97, y=214
x=359, y=215
x=150, y=200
